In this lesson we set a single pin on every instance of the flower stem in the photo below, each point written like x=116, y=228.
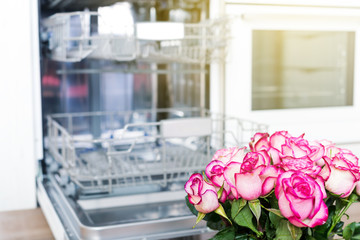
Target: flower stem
x=337, y=218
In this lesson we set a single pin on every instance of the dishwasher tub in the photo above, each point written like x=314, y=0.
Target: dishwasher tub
x=121, y=174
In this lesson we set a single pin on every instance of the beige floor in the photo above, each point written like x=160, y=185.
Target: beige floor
x=24, y=225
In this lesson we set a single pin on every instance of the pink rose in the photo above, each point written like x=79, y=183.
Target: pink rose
x=229, y=154
x=301, y=199
x=282, y=144
x=341, y=173
x=317, y=151
x=295, y=147
x=254, y=171
x=303, y=164
x=201, y=194
x=260, y=141
x=330, y=148
x=278, y=139
x=215, y=172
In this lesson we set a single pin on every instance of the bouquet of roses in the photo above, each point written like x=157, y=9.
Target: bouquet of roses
x=283, y=187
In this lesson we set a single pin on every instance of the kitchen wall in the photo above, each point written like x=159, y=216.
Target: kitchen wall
x=20, y=134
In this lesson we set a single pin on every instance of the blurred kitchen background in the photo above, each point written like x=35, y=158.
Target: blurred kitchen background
x=289, y=65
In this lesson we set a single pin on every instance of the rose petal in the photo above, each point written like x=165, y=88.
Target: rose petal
x=317, y=151
x=301, y=208
x=284, y=205
x=320, y=181
x=189, y=185
x=325, y=171
x=269, y=177
x=238, y=155
x=229, y=176
x=214, y=171
x=296, y=222
x=340, y=182
x=357, y=188
x=268, y=185
x=259, y=142
x=248, y=185
x=320, y=218
x=274, y=155
x=209, y=202
x=278, y=139
x=194, y=199
x=229, y=172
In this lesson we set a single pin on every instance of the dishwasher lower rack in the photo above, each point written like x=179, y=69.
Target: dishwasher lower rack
x=161, y=215
x=108, y=151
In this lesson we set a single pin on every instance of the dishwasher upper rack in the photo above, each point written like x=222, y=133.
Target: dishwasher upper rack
x=133, y=149
x=74, y=36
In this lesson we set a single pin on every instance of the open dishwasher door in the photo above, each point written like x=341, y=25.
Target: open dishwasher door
x=127, y=183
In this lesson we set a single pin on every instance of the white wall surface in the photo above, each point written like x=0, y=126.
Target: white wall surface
x=20, y=133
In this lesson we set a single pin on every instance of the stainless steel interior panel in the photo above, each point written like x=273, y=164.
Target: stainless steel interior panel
x=160, y=220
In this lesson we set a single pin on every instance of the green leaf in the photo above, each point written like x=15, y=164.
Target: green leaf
x=349, y=231
x=236, y=207
x=220, y=210
x=275, y=219
x=274, y=211
x=273, y=201
x=216, y=225
x=242, y=237
x=283, y=231
x=225, y=234
x=295, y=232
x=219, y=193
x=255, y=208
x=200, y=217
x=269, y=229
x=338, y=227
x=352, y=231
x=244, y=218
x=190, y=206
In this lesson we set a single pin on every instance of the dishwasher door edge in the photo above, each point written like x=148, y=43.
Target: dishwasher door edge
x=56, y=226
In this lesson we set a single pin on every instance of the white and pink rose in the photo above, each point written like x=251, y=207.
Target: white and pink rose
x=300, y=199
x=201, y=194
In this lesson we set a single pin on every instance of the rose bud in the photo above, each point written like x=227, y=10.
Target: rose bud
x=201, y=194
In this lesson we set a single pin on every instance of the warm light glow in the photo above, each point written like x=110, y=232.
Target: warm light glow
x=160, y=30
x=116, y=19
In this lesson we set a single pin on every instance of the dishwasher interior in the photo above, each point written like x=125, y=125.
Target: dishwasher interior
x=124, y=178
x=125, y=90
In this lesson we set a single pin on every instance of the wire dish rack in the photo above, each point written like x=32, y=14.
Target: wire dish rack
x=102, y=151
x=202, y=42
x=75, y=36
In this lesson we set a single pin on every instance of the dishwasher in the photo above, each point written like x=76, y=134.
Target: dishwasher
x=126, y=116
